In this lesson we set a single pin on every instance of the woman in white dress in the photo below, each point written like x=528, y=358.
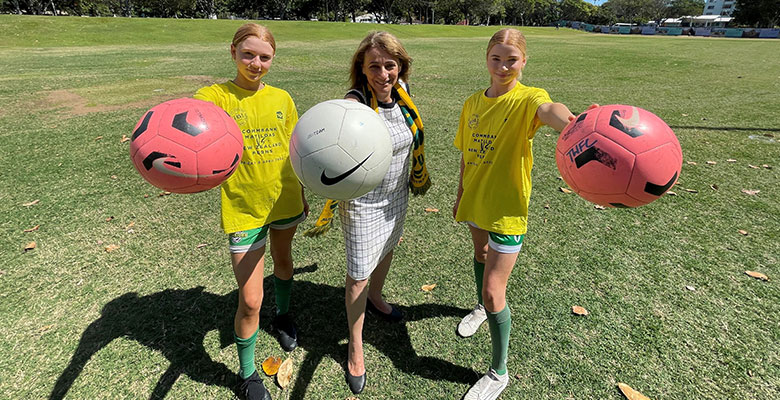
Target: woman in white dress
x=373, y=224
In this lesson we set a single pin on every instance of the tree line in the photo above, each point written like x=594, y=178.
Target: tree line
x=763, y=13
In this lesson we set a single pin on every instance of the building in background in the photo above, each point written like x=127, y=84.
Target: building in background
x=719, y=7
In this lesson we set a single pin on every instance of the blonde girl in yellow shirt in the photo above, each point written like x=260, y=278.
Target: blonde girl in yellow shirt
x=495, y=135
x=263, y=199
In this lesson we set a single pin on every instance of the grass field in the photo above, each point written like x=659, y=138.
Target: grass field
x=672, y=312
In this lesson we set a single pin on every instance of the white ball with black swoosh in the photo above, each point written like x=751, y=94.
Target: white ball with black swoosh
x=340, y=149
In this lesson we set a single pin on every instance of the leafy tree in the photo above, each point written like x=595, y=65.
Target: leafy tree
x=603, y=16
x=576, y=10
x=757, y=13
x=484, y=9
x=545, y=12
x=383, y=8
x=519, y=10
x=353, y=7
x=448, y=11
x=679, y=8
x=638, y=11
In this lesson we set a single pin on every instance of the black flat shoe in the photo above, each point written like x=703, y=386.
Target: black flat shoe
x=356, y=383
x=285, y=330
x=395, y=314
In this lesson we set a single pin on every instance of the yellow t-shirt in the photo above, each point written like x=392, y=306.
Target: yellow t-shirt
x=495, y=136
x=264, y=187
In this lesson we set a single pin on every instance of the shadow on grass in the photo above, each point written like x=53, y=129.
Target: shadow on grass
x=176, y=321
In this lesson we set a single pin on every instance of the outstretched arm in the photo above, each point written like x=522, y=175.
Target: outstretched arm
x=556, y=115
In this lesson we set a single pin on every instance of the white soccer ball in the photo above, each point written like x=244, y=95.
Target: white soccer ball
x=340, y=149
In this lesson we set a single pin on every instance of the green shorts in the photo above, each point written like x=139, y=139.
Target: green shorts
x=503, y=243
x=253, y=239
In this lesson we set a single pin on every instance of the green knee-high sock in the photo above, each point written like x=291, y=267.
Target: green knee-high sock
x=246, y=354
x=500, y=324
x=282, y=290
x=479, y=271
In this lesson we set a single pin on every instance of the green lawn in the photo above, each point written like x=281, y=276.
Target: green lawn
x=672, y=312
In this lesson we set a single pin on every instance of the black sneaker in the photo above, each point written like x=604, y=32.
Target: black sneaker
x=285, y=330
x=252, y=388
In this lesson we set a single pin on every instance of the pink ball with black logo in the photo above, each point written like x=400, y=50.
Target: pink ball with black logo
x=186, y=146
x=619, y=156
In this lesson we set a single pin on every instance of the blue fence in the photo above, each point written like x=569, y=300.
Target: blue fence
x=762, y=33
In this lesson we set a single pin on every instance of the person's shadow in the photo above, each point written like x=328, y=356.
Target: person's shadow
x=175, y=323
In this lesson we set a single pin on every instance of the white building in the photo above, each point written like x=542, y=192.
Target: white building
x=719, y=7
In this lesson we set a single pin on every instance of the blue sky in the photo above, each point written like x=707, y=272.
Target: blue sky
x=596, y=2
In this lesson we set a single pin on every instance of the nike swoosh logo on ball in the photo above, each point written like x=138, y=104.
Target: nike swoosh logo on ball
x=328, y=181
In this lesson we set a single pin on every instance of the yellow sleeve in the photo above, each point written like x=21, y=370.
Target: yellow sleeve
x=539, y=97
x=207, y=93
x=462, y=124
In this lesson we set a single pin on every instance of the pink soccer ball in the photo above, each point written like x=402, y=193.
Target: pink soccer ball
x=619, y=156
x=186, y=146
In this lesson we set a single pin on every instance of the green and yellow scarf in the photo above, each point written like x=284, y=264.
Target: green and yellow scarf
x=419, y=179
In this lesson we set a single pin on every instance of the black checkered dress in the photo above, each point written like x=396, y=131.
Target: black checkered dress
x=373, y=224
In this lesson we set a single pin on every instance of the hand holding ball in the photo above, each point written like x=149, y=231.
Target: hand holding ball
x=619, y=156
x=186, y=146
x=340, y=149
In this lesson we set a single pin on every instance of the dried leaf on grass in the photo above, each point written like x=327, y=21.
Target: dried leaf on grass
x=757, y=275
x=284, y=375
x=630, y=393
x=691, y=288
x=714, y=186
x=98, y=138
x=767, y=166
x=547, y=206
x=30, y=246
x=692, y=163
x=108, y=219
x=34, y=228
x=743, y=232
x=711, y=162
x=564, y=190
x=750, y=192
x=753, y=166
x=271, y=365
x=124, y=139
x=111, y=247
x=670, y=193
x=731, y=160
x=130, y=225
x=428, y=288
x=202, y=245
x=431, y=210
x=599, y=207
x=32, y=203
x=579, y=310
x=166, y=193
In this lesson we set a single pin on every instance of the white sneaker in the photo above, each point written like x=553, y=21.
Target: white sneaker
x=488, y=387
x=472, y=321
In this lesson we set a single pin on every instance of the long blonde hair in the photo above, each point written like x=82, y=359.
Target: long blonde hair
x=509, y=36
x=384, y=41
x=252, y=29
